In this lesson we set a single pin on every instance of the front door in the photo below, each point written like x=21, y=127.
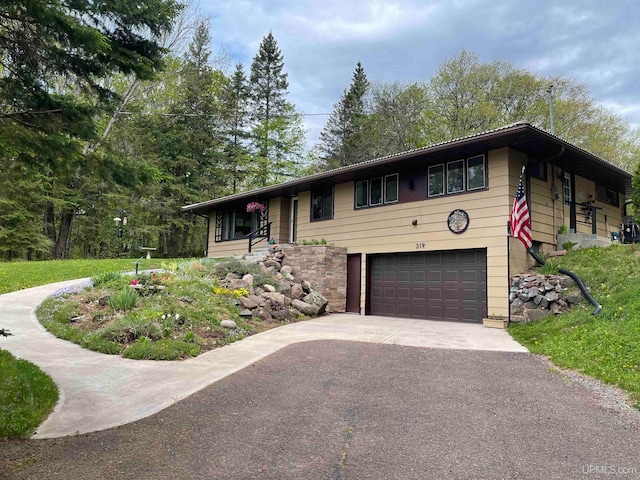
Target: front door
x=293, y=221
x=354, y=266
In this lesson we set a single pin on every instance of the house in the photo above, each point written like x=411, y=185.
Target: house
x=426, y=231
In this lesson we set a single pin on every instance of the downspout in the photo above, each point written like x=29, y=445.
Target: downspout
x=583, y=289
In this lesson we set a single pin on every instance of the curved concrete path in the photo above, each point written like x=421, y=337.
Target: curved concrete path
x=99, y=391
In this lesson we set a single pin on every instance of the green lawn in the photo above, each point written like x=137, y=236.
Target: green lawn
x=605, y=346
x=20, y=275
x=27, y=395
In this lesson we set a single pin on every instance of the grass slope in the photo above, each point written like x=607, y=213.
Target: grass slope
x=20, y=275
x=605, y=346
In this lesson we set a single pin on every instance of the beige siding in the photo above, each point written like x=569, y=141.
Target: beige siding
x=389, y=229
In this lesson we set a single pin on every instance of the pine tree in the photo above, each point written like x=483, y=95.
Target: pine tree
x=341, y=138
x=277, y=133
x=236, y=100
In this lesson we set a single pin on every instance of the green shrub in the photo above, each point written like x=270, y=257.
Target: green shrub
x=27, y=395
x=568, y=245
x=132, y=327
x=165, y=349
x=124, y=300
x=233, y=265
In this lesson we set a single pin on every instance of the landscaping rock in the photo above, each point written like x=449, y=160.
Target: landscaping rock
x=573, y=299
x=296, y=291
x=245, y=313
x=232, y=276
x=287, y=269
x=537, y=296
x=285, y=287
x=566, y=281
x=186, y=299
x=236, y=284
x=268, y=288
x=230, y=324
x=272, y=264
x=262, y=314
x=248, y=303
x=257, y=299
x=274, y=296
x=317, y=299
x=103, y=301
x=306, y=286
x=552, y=296
x=248, y=280
x=305, y=308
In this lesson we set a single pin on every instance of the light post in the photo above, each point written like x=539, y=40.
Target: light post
x=120, y=222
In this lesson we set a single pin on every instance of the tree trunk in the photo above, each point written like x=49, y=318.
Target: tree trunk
x=60, y=248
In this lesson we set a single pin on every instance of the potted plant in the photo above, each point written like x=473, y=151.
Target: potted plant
x=255, y=207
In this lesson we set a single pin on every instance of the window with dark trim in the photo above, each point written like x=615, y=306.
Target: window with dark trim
x=607, y=196
x=377, y=191
x=457, y=176
x=475, y=173
x=322, y=205
x=436, y=180
x=538, y=170
x=234, y=224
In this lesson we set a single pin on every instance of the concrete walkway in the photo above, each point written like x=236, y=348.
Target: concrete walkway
x=100, y=391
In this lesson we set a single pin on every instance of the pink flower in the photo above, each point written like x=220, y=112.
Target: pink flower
x=134, y=282
x=253, y=206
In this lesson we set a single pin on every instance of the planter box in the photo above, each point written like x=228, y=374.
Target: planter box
x=495, y=322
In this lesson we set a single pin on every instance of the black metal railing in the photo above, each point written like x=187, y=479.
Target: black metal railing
x=259, y=234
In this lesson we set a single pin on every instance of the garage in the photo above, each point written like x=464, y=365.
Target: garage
x=444, y=285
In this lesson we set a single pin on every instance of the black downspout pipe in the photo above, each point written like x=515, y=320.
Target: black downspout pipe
x=583, y=289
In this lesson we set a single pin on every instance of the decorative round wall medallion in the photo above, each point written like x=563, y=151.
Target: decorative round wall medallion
x=458, y=221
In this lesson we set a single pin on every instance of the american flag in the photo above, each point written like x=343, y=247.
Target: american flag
x=520, y=221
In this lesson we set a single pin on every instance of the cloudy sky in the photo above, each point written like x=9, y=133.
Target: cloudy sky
x=595, y=42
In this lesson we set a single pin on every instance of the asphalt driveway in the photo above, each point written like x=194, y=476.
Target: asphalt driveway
x=349, y=410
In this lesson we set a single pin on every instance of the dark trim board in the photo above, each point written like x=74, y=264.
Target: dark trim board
x=442, y=285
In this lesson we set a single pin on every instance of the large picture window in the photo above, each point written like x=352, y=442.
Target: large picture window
x=322, y=204
x=235, y=224
x=377, y=191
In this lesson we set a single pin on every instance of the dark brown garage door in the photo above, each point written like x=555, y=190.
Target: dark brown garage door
x=447, y=285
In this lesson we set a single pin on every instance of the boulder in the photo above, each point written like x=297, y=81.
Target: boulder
x=263, y=314
x=285, y=287
x=272, y=264
x=296, y=291
x=306, y=286
x=317, y=299
x=248, y=280
x=236, y=284
x=248, y=303
x=232, y=276
x=287, y=269
x=257, y=299
x=305, y=308
x=268, y=288
x=245, y=313
x=228, y=324
x=274, y=296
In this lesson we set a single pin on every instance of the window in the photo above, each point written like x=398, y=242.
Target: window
x=322, y=205
x=235, y=224
x=538, y=170
x=391, y=188
x=475, y=173
x=459, y=176
x=607, y=196
x=436, y=180
x=455, y=176
x=374, y=192
x=566, y=189
x=362, y=193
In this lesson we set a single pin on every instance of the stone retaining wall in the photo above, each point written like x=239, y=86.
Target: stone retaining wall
x=324, y=266
x=533, y=297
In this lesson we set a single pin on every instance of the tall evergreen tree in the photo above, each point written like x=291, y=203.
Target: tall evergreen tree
x=341, y=138
x=236, y=111
x=277, y=132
